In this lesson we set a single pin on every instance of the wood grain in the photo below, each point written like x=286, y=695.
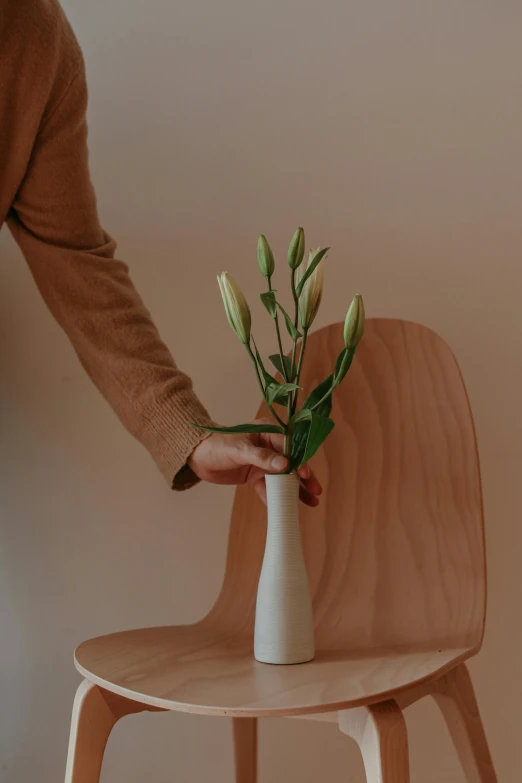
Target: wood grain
x=455, y=697
x=95, y=712
x=192, y=670
x=395, y=552
x=245, y=749
x=380, y=732
x=454, y=694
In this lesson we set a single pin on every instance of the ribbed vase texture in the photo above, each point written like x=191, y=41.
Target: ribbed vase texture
x=284, y=628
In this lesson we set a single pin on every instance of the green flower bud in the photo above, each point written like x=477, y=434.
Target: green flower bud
x=265, y=257
x=236, y=307
x=354, y=323
x=296, y=249
x=312, y=292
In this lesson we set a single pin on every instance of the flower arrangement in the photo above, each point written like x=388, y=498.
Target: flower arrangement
x=304, y=428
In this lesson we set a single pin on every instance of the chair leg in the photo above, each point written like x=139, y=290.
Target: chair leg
x=380, y=732
x=245, y=749
x=95, y=711
x=455, y=697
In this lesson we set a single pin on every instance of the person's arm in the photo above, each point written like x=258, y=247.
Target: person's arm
x=54, y=221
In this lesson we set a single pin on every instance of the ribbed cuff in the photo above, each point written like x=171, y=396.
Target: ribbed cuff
x=171, y=440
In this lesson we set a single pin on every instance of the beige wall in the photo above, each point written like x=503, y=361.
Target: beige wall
x=392, y=132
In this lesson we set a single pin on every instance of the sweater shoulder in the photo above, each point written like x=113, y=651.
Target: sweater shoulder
x=38, y=33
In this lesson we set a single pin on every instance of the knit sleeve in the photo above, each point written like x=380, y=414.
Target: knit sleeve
x=54, y=221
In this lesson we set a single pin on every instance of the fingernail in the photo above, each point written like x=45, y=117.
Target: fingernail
x=279, y=462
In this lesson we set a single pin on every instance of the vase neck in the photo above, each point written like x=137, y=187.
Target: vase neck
x=282, y=500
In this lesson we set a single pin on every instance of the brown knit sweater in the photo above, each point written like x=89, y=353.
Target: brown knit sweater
x=47, y=200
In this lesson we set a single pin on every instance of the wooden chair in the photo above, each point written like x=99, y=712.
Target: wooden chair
x=395, y=554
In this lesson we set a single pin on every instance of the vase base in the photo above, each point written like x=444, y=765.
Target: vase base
x=291, y=661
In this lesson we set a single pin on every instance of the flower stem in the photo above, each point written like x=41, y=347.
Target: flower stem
x=279, y=341
x=292, y=397
x=291, y=405
x=261, y=386
x=296, y=312
x=287, y=448
x=299, y=368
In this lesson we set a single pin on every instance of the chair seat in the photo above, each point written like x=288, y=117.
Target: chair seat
x=198, y=669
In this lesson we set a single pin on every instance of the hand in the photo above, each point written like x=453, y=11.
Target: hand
x=246, y=459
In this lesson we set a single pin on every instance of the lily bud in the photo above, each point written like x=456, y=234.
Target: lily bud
x=312, y=292
x=265, y=257
x=354, y=323
x=296, y=249
x=236, y=307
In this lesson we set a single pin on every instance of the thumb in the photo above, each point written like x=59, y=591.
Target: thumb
x=265, y=459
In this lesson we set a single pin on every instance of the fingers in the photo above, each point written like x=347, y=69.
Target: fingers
x=260, y=488
x=307, y=498
x=271, y=439
x=266, y=455
x=309, y=480
x=266, y=459
x=312, y=485
x=304, y=472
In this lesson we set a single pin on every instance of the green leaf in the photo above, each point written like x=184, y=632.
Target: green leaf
x=315, y=261
x=279, y=392
x=301, y=420
x=303, y=415
x=269, y=379
x=294, y=333
x=320, y=428
x=241, y=428
x=291, y=369
x=343, y=364
x=299, y=437
x=325, y=408
x=269, y=301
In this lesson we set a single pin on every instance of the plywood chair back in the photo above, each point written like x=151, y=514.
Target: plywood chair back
x=395, y=552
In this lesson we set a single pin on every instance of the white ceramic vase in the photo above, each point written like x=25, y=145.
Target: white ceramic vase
x=284, y=628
